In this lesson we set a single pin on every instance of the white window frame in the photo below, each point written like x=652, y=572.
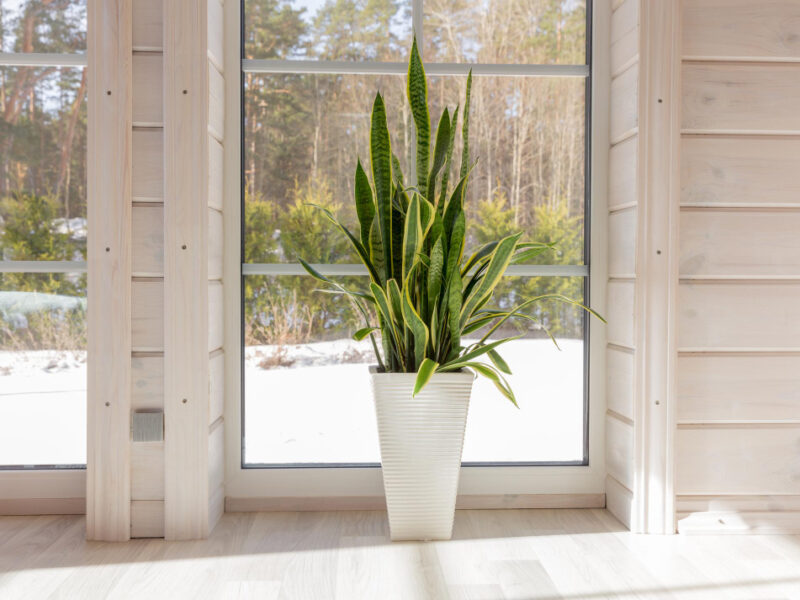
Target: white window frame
x=58, y=489
x=272, y=487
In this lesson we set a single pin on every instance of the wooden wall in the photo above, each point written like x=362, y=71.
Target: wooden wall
x=622, y=224
x=737, y=445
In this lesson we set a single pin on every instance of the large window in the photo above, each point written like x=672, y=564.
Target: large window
x=310, y=71
x=42, y=233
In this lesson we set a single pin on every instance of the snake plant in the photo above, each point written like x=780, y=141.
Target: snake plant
x=425, y=295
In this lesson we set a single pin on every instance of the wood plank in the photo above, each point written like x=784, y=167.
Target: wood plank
x=216, y=316
x=216, y=22
x=624, y=103
x=216, y=387
x=619, y=501
x=147, y=382
x=738, y=388
x=741, y=97
x=109, y=267
x=148, y=165
x=186, y=113
x=42, y=506
x=623, y=164
x=715, y=523
x=739, y=243
x=738, y=315
x=619, y=451
x=147, y=470
x=741, y=29
x=215, y=244
x=737, y=460
x=148, y=241
x=147, y=89
x=622, y=227
x=620, y=381
x=620, y=313
x=147, y=316
x=216, y=507
x=216, y=456
x=147, y=24
x=775, y=503
x=624, y=36
x=216, y=102
x=147, y=519
x=215, y=181
x=740, y=170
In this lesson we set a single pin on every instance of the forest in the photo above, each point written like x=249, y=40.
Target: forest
x=302, y=135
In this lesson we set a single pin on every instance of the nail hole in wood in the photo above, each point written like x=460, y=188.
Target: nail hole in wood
x=183, y=247
x=185, y=92
x=108, y=92
x=108, y=403
x=184, y=400
x=658, y=251
x=108, y=249
x=660, y=101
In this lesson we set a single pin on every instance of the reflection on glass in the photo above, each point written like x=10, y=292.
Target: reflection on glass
x=307, y=391
x=377, y=30
x=42, y=369
x=304, y=132
x=53, y=26
x=505, y=31
x=43, y=163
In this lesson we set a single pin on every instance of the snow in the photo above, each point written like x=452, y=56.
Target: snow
x=318, y=409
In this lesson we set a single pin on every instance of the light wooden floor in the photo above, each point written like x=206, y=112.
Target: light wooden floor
x=494, y=554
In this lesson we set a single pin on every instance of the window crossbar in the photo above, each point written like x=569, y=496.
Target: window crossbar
x=38, y=59
x=344, y=270
x=43, y=266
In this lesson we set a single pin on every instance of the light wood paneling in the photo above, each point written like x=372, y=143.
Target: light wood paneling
x=215, y=182
x=147, y=316
x=729, y=315
x=148, y=241
x=147, y=382
x=740, y=243
x=619, y=451
x=622, y=174
x=215, y=32
x=738, y=388
x=620, y=377
x=216, y=102
x=624, y=36
x=778, y=503
x=147, y=20
x=619, y=501
x=715, y=523
x=741, y=28
x=148, y=165
x=739, y=170
x=216, y=387
x=215, y=243
x=620, y=312
x=624, y=103
x=147, y=519
x=147, y=89
x=738, y=460
x=109, y=269
x=147, y=470
x=216, y=506
x=741, y=97
x=622, y=243
x=215, y=316
x=216, y=456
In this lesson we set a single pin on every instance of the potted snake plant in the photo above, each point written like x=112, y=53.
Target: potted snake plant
x=426, y=297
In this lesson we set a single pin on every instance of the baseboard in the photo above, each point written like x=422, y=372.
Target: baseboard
x=42, y=506
x=469, y=502
x=619, y=501
x=732, y=522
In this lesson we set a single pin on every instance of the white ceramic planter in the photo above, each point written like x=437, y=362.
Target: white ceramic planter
x=421, y=440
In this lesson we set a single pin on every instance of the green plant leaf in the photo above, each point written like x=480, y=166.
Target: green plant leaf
x=385, y=312
x=498, y=362
x=439, y=152
x=447, y=163
x=473, y=354
x=435, y=275
x=380, y=149
x=376, y=253
x=357, y=245
x=365, y=204
x=497, y=266
x=498, y=380
x=465, y=129
x=397, y=172
x=454, y=308
x=363, y=332
x=426, y=370
x=415, y=323
x=417, y=90
x=412, y=238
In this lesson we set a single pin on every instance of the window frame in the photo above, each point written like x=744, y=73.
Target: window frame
x=314, y=480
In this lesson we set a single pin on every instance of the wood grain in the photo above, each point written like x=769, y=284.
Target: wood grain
x=620, y=381
x=624, y=103
x=622, y=165
x=738, y=388
x=147, y=316
x=731, y=315
x=147, y=24
x=737, y=29
x=619, y=501
x=741, y=97
x=624, y=36
x=619, y=451
x=215, y=33
x=215, y=244
x=215, y=181
x=147, y=470
x=216, y=387
x=147, y=382
x=216, y=316
x=620, y=312
x=147, y=89
x=216, y=102
x=148, y=165
x=147, y=519
x=622, y=226
x=148, y=241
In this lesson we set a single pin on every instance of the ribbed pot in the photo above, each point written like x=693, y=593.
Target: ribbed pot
x=421, y=440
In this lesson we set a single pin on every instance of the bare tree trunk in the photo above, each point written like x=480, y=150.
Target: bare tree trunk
x=66, y=145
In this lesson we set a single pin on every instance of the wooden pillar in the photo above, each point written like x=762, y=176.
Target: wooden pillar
x=109, y=270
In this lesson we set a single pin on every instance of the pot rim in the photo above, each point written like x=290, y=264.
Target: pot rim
x=461, y=374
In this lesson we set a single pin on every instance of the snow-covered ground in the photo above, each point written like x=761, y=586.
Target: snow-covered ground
x=318, y=409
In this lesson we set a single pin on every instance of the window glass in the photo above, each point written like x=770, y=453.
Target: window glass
x=47, y=27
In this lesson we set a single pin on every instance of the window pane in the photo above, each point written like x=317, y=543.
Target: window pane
x=304, y=132
x=58, y=26
x=43, y=164
x=42, y=369
x=327, y=29
x=307, y=392
x=505, y=31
